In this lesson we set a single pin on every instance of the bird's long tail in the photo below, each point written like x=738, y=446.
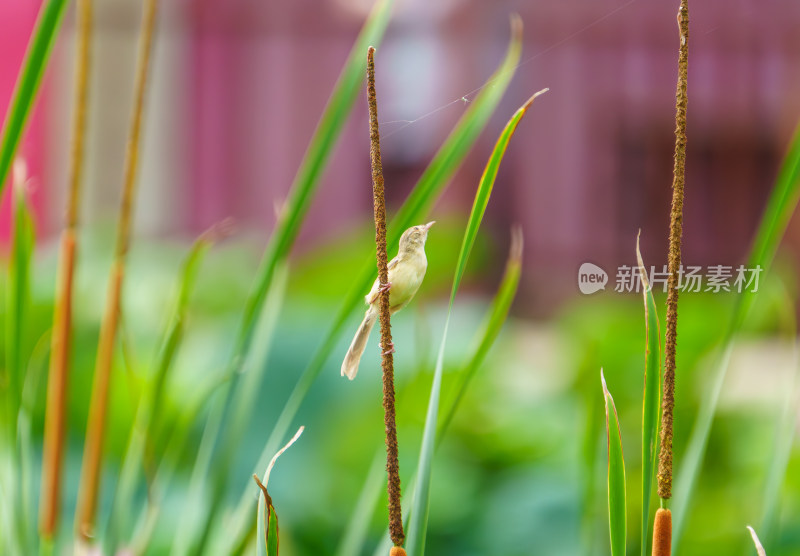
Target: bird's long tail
x=353, y=357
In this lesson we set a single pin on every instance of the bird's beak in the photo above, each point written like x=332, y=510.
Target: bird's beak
x=429, y=224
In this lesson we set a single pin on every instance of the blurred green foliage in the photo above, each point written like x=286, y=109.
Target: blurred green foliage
x=522, y=468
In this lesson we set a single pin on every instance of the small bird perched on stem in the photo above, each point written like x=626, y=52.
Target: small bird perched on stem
x=406, y=272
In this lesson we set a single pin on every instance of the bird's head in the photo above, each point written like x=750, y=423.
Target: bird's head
x=414, y=237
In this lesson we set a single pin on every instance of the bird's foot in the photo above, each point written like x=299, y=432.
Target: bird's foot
x=385, y=287
x=388, y=351
x=381, y=289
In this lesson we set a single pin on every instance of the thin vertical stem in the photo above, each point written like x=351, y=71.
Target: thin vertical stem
x=58, y=377
x=93, y=449
x=82, y=67
x=132, y=153
x=392, y=465
x=675, y=232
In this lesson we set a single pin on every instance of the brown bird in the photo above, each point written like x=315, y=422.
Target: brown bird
x=406, y=272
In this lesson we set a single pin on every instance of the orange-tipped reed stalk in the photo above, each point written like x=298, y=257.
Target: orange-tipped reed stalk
x=95, y=431
x=662, y=528
x=392, y=465
x=675, y=232
x=58, y=377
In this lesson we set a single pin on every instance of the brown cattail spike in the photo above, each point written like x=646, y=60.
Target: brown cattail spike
x=662, y=533
x=397, y=551
x=392, y=465
x=57, y=382
x=58, y=374
x=91, y=466
x=675, y=232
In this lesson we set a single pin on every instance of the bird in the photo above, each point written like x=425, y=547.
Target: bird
x=406, y=272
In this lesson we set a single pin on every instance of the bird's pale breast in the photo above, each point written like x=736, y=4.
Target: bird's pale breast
x=406, y=277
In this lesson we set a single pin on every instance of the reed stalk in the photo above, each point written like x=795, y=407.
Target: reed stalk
x=58, y=377
x=98, y=409
x=674, y=261
x=392, y=465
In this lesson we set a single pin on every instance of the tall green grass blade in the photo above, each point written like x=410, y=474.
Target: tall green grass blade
x=301, y=193
x=256, y=366
x=139, y=452
x=36, y=369
x=6, y=508
x=785, y=431
x=149, y=516
x=485, y=191
x=267, y=525
x=267, y=531
x=652, y=397
x=272, y=534
x=491, y=327
x=355, y=535
x=617, y=512
x=418, y=524
x=458, y=144
x=17, y=303
x=17, y=300
x=263, y=518
x=36, y=57
x=249, y=386
x=305, y=184
x=427, y=190
x=779, y=210
x=780, y=207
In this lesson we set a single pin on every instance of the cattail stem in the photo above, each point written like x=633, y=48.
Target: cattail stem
x=82, y=67
x=57, y=388
x=58, y=377
x=392, y=465
x=675, y=232
x=93, y=449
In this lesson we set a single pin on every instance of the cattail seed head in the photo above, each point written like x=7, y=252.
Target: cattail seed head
x=662, y=533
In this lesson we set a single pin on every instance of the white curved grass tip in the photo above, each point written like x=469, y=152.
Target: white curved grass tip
x=759, y=546
x=278, y=453
x=642, y=270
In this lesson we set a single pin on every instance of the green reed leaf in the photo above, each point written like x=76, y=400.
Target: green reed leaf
x=418, y=524
x=44, y=35
x=617, y=512
x=652, y=397
x=330, y=127
x=780, y=207
x=139, y=453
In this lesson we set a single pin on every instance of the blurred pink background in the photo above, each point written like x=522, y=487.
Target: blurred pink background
x=238, y=87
